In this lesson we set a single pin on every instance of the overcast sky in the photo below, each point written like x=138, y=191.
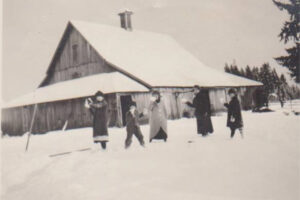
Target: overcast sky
x=215, y=31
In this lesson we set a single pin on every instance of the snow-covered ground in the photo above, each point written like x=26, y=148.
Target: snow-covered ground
x=263, y=165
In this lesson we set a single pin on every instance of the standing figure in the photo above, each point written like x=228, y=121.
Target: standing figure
x=98, y=108
x=281, y=95
x=234, y=117
x=157, y=118
x=202, y=111
x=133, y=126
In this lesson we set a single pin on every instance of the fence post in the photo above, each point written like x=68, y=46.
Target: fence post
x=31, y=126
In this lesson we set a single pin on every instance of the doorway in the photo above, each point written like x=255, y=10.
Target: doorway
x=125, y=102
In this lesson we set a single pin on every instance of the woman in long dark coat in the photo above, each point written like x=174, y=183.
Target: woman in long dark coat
x=98, y=107
x=234, y=116
x=202, y=111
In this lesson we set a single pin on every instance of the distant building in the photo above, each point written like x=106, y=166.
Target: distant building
x=123, y=63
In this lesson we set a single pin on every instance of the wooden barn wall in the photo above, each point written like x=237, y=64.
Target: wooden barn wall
x=143, y=102
x=12, y=120
x=217, y=99
x=172, y=98
x=88, y=61
x=220, y=96
x=177, y=109
x=245, y=96
x=52, y=116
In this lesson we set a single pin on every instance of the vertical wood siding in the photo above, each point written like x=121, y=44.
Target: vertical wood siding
x=53, y=115
x=88, y=61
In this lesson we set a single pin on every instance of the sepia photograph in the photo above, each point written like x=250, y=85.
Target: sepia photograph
x=150, y=100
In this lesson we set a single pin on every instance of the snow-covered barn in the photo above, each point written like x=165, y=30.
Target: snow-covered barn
x=124, y=64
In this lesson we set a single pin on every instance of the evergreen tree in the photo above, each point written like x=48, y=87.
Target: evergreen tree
x=291, y=32
x=235, y=70
x=248, y=72
x=283, y=79
x=226, y=68
x=255, y=73
x=242, y=72
x=269, y=77
x=275, y=79
x=266, y=78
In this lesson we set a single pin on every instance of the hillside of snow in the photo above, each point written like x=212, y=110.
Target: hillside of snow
x=263, y=165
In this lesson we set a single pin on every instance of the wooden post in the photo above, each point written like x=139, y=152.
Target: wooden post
x=119, y=121
x=31, y=126
x=225, y=95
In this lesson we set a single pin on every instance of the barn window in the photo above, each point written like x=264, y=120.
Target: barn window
x=75, y=52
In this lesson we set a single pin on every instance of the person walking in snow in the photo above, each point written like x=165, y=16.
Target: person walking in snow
x=281, y=95
x=99, y=109
x=133, y=126
x=234, y=116
x=202, y=111
x=157, y=118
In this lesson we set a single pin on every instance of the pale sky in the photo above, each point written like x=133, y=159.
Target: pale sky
x=215, y=31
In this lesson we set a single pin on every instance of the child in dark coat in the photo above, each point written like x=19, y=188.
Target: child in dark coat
x=234, y=117
x=98, y=107
x=133, y=126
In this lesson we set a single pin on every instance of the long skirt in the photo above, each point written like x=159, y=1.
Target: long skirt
x=204, y=125
x=161, y=135
x=100, y=131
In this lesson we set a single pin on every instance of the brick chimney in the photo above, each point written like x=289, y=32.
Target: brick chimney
x=125, y=18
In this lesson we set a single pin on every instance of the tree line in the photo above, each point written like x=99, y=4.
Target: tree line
x=272, y=82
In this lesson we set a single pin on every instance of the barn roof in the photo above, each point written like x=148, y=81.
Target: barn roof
x=155, y=59
x=81, y=87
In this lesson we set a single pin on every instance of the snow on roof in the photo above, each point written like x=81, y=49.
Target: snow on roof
x=154, y=58
x=81, y=87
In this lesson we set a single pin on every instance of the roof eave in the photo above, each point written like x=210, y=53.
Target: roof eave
x=59, y=46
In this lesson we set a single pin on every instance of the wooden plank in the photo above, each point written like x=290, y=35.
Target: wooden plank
x=31, y=125
x=119, y=121
x=60, y=154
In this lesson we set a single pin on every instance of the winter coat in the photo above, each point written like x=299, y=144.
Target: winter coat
x=234, y=116
x=100, y=121
x=201, y=105
x=202, y=112
x=132, y=121
x=157, y=118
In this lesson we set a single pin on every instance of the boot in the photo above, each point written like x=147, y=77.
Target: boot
x=103, y=145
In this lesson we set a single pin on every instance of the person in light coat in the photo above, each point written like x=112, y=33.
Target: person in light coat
x=99, y=109
x=157, y=118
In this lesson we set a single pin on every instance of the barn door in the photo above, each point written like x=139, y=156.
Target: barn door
x=125, y=102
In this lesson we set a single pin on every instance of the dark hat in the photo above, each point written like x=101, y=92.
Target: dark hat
x=197, y=86
x=99, y=93
x=232, y=91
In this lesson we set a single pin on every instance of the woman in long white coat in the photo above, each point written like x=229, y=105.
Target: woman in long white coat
x=157, y=118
